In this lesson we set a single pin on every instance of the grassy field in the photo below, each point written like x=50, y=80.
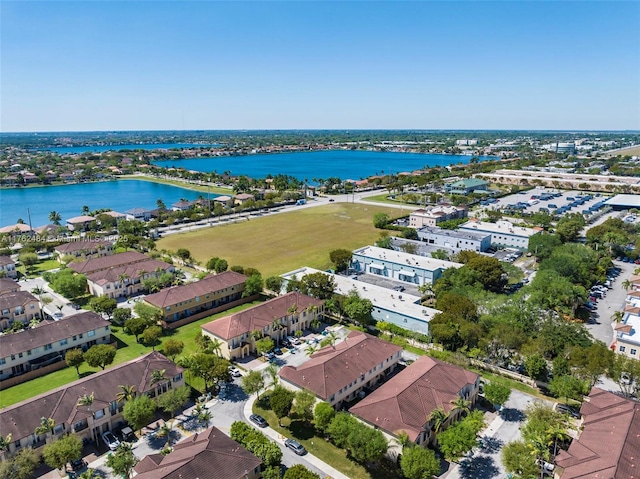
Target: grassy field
x=179, y=184
x=283, y=242
x=128, y=349
x=39, y=268
x=631, y=151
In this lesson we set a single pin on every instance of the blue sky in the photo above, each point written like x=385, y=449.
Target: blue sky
x=108, y=65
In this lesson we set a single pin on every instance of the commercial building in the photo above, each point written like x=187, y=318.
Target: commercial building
x=406, y=401
x=402, y=309
x=503, y=233
x=277, y=318
x=466, y=186
x=338, y=373
x=47, y=343
x=436, y=214
x=207, y=454
x=624, y=202
x=608, y=444
x=87, y=422
x=202, y=298
x=399, y=265
x=455, y=240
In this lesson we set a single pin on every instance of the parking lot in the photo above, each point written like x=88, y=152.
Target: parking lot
x=551, y=200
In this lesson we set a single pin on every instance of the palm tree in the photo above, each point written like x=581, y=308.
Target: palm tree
x=215, y=346
x=461, y=404
x=55, y=218
x=46, y=426
x=437, y=417
x=39, y=292
x=5, y=442
x=157, y=376
x=165, y=431
x=626, y=284
x=86, y=400
x=402, y=439
x=617, y=317
x=89, y=474
x=85, y=210
x=311, y=349
x=557, y=432
x=126, y=393
x=272, y=372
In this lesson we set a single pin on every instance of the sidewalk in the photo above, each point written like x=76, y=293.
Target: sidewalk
x=323, y=466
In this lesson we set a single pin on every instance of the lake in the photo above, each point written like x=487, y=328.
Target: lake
x=146, y=146
x=344, y=164
x=68, y=200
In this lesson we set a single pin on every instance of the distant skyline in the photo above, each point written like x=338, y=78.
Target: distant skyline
x=200, y=65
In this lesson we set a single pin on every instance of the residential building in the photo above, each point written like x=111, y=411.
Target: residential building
x=141, y=214
x=434, y=215
x=182, y=205
x=8, y=286
x=120, y=274
x=47, y=343
x=84, y=248
x=277, y=318
x=399, y=265
x=406, y=401
x=87, y=422
x=338, y=373
x=7, y=268
x=116, y=215
x=202, y=298
x=17, y=229
x=209, y=454
x=242, y=198
x=503, y=233
x=627, y=333
x=608, y=444
x=466, y=186
x=455, y=240
x=80, y=223
x=402, y=309
x=19, y=306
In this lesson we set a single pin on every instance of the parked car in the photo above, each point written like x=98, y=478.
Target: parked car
x=277, y=351
x=235, y=372
x=566, y=409
x=110, y=440
x=78, y=465
x=258, y=420
x=295, y=446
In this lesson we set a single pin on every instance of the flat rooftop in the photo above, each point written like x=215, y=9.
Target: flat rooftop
x=402, y=258
x=631, y=201
x=500, y=227
x=468, y=235
x=633, y=334
x=383, y=298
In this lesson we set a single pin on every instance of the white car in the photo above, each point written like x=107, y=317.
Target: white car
x=110, y=440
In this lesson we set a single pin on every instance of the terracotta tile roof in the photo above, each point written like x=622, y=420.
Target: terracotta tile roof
x=405, y=401
x=5, y=260
x=185, y=292
x=81, y=219
x=96, y=264
x=609, y=445
x=18, y=227
x=18, y=298
x=85, y=245
x=20, y=420
x=259, y=316
x=206, y=455
x=8, y=285
x=334, y=367
x=131, y=271
x=49, y=332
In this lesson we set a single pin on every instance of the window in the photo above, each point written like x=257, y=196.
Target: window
x=633, y=352
x=29, y=352
x=19, y=355
x=47, y=347
x=622, y=349
x=99, y=413
x=63, y=342
x=3, y=361
x=91, y=333
x=13, y=357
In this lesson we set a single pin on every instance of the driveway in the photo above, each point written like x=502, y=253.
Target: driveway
x=485, y=462
x=602, y=328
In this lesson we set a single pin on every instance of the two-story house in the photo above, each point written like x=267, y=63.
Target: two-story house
x=83, y=249
x=338, y=373
x=7, y=268
x=406, y=401
x=104, y=413
x=18, y=306
x=202, y=298
x=47, y=343
x=277, y=318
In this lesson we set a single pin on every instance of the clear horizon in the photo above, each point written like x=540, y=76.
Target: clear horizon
x=229, y=66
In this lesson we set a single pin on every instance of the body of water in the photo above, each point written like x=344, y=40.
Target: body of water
x=344, y=164
x=147, y=146
x=68, y=200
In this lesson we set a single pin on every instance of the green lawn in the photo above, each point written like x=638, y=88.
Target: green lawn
x=39, y=268
x=128, y=349
x=283, y=242
x=316, y=445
